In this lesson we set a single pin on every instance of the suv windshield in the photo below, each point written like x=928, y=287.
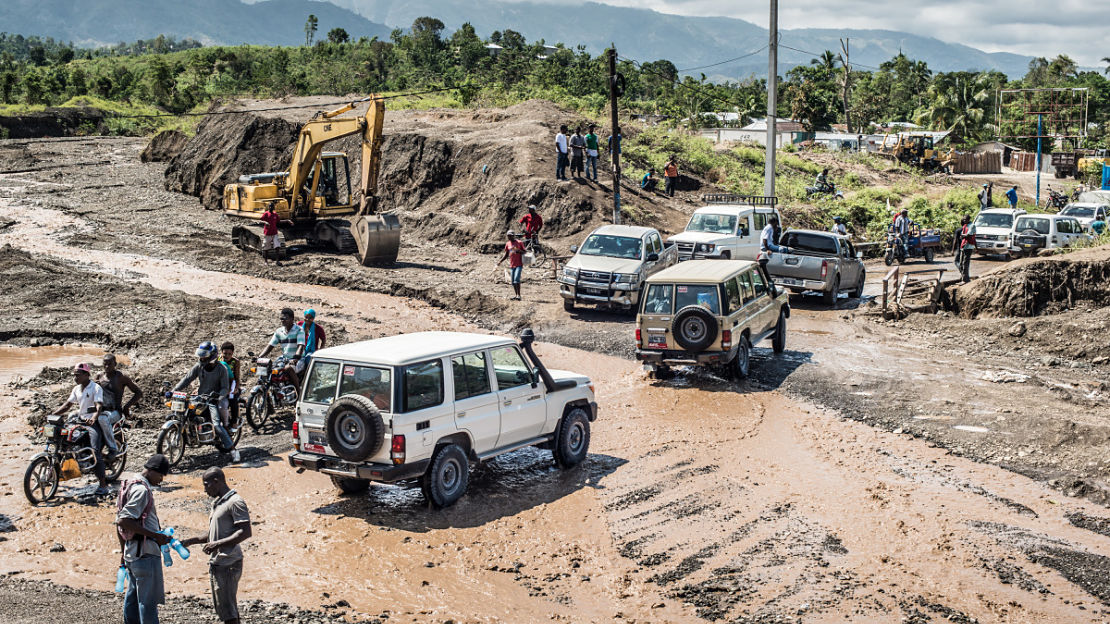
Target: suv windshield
x=612, y=246
x=995, y=220
x=714, y=223
x=1039, y=224
x=1081, y=212
x=704, y=295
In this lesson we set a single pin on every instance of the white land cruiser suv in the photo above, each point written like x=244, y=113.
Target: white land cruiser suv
x=727, y=228
x=423, y=407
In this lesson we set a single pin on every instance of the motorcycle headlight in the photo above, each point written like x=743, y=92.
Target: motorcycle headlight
x=570, y=273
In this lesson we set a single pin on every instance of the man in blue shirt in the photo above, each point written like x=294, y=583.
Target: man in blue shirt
x=1011, y=195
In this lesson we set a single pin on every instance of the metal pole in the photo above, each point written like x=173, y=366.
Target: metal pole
x=615, y=137
x=772, y=99
x=1040, y=120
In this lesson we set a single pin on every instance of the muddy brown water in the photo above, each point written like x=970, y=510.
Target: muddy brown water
x=701, y=499
x=24, y=362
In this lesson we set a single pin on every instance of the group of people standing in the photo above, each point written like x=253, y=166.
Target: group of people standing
x=578, y=151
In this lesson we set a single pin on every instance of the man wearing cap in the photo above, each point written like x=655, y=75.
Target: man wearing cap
x=138, y=530
x=89, y=400
x=228, y=525
x=514, y=251
x=314, y=337
x=112, y=383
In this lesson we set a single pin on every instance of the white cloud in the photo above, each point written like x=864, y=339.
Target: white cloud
x=1077, y=28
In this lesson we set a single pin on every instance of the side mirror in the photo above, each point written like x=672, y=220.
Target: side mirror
x=859, y=254
x=574, y=249
x=653, y=257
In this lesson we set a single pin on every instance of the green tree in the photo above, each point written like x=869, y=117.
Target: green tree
x=37, y=55
x=338, y=35
x=958, y=104
x=33, y=91
x=310, y=26
x=160, y=81
x=8, y=82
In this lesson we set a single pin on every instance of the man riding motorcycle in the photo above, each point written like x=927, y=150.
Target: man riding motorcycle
x=213, y=379
x=88, y=398
x=291, y=339
x=822, y=181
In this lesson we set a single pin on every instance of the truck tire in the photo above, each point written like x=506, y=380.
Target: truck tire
x=350, y=485
x=930, y=253
x=778, y=339
x=354, y=427
x=572, y=438
x=829, y=297
x=568, y=305
x=447, y=476
x=742, y=363
x=695, y=328
x=857, y=292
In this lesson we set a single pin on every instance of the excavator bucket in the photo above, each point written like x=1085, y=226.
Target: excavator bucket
x=378, y=238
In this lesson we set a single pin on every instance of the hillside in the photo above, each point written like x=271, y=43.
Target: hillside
x=105, y=22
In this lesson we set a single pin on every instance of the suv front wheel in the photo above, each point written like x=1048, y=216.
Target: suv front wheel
x=572, y=438
x=447, y=476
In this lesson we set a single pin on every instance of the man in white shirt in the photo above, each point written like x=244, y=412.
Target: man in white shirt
x=561, y=159
x=767, y=241
x=88, y=397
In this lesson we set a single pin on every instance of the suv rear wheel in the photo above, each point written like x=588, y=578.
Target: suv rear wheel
x=350, y=485
x=742, y=364
x=830, y=296
x=447, y=476
x=572, y=438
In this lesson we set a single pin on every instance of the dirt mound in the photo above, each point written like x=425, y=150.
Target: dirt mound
x=55, y=122
x=458, y=176
x=164, y=146
x=225, y=147
x=1037, y=286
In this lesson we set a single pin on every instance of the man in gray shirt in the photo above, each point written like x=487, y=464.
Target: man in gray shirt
x=213, y=380
x=140, y=541
x=228, y=525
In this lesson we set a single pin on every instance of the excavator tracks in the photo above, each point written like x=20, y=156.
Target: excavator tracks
x=249, y=238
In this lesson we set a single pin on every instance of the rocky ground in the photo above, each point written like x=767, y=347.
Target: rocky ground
x=937, y=505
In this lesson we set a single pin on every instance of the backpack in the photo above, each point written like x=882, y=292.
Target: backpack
x=121, y=500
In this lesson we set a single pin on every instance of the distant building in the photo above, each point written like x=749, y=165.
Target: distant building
x=494, y=49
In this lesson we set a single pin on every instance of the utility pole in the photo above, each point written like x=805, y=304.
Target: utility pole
x=845, y=46
x=1040, y=131
x=772, y=100
x=615, y=137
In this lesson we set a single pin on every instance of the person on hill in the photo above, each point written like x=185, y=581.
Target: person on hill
x=561, y=158
x=649, y=180
x=514, y=251
x=532, y=223
x=1011, y=196
x=839, y=227
x=670, y=174
x=591, y=153
x=822, y=181
x=578, y=153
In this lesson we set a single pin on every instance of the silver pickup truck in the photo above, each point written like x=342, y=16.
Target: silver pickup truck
x=818, y=261
x=610, y=267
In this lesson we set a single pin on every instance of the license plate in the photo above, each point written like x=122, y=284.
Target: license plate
x=177, y=406
x=789, y=281
x=49, y=431
x=317, y=438
x=657, y=340
x=594, y=291
x=314, y=448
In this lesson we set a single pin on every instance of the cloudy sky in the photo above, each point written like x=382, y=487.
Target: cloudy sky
x=1078, y=28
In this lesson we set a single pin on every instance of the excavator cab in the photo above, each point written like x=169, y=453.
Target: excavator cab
x=334, y=186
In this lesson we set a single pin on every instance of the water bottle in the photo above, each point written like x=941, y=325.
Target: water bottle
x=178, y=546
x=121, y=580
x=166, y=559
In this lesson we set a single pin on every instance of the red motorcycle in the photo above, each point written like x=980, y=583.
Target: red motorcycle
x=274, y=390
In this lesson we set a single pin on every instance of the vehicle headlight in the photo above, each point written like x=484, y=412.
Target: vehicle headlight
x=570, y=273
x=707, y=247
x=625, y=278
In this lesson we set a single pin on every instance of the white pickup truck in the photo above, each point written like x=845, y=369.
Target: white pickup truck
x=424, y=407
x=611, y=265
x=727, y=228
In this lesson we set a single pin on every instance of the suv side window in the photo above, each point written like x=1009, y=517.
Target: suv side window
x=510, y=368
x=370, y=382
x=760, y=221
x=734, y=300
x=423, y=385
x=757, y=282
x=471, y=375
x=1063, y=226
x=320, y=387
x=659, y=298
x=746, y=288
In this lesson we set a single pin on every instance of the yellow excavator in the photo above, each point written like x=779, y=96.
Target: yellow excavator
x=917, y=150
x=313, y=198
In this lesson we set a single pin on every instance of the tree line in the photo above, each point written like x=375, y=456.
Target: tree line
x=504, y=68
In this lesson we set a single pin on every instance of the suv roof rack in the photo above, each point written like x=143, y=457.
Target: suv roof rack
x=750, y=200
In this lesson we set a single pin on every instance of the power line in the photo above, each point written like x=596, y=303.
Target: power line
x=678, y=82
x=818, y=55
x=742, y=56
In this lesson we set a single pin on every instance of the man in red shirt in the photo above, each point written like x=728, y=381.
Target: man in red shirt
x=514, y=251
x=270, y=237
x=532, y=223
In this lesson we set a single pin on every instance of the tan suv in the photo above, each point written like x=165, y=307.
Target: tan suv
x=709, y=313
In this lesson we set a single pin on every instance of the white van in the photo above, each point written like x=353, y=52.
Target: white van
x=994, y=231
x=1034, y=232
x=727, y=228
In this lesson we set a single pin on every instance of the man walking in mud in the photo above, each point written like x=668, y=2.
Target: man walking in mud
x=140, y=538
x=112, y=383
x=514, y=251
x=229, y=524
x=271, y=239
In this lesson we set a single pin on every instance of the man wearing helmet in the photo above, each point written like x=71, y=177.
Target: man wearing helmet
x=213, y=380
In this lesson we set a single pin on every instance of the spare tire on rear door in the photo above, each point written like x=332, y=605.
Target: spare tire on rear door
x=695, y=328
x=354, y=427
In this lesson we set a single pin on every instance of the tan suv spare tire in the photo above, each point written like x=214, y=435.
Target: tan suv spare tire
x=695, y=328
x=354, y=427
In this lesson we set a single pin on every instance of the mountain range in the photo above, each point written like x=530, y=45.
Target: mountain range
x=640, y=34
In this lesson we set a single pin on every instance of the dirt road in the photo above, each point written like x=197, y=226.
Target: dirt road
x=701, y=499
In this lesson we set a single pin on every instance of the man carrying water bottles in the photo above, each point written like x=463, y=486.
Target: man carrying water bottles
x=141, y=541
x=228, y=525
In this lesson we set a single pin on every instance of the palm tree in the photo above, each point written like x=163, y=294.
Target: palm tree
x=1106, y=59
x=958, y=105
